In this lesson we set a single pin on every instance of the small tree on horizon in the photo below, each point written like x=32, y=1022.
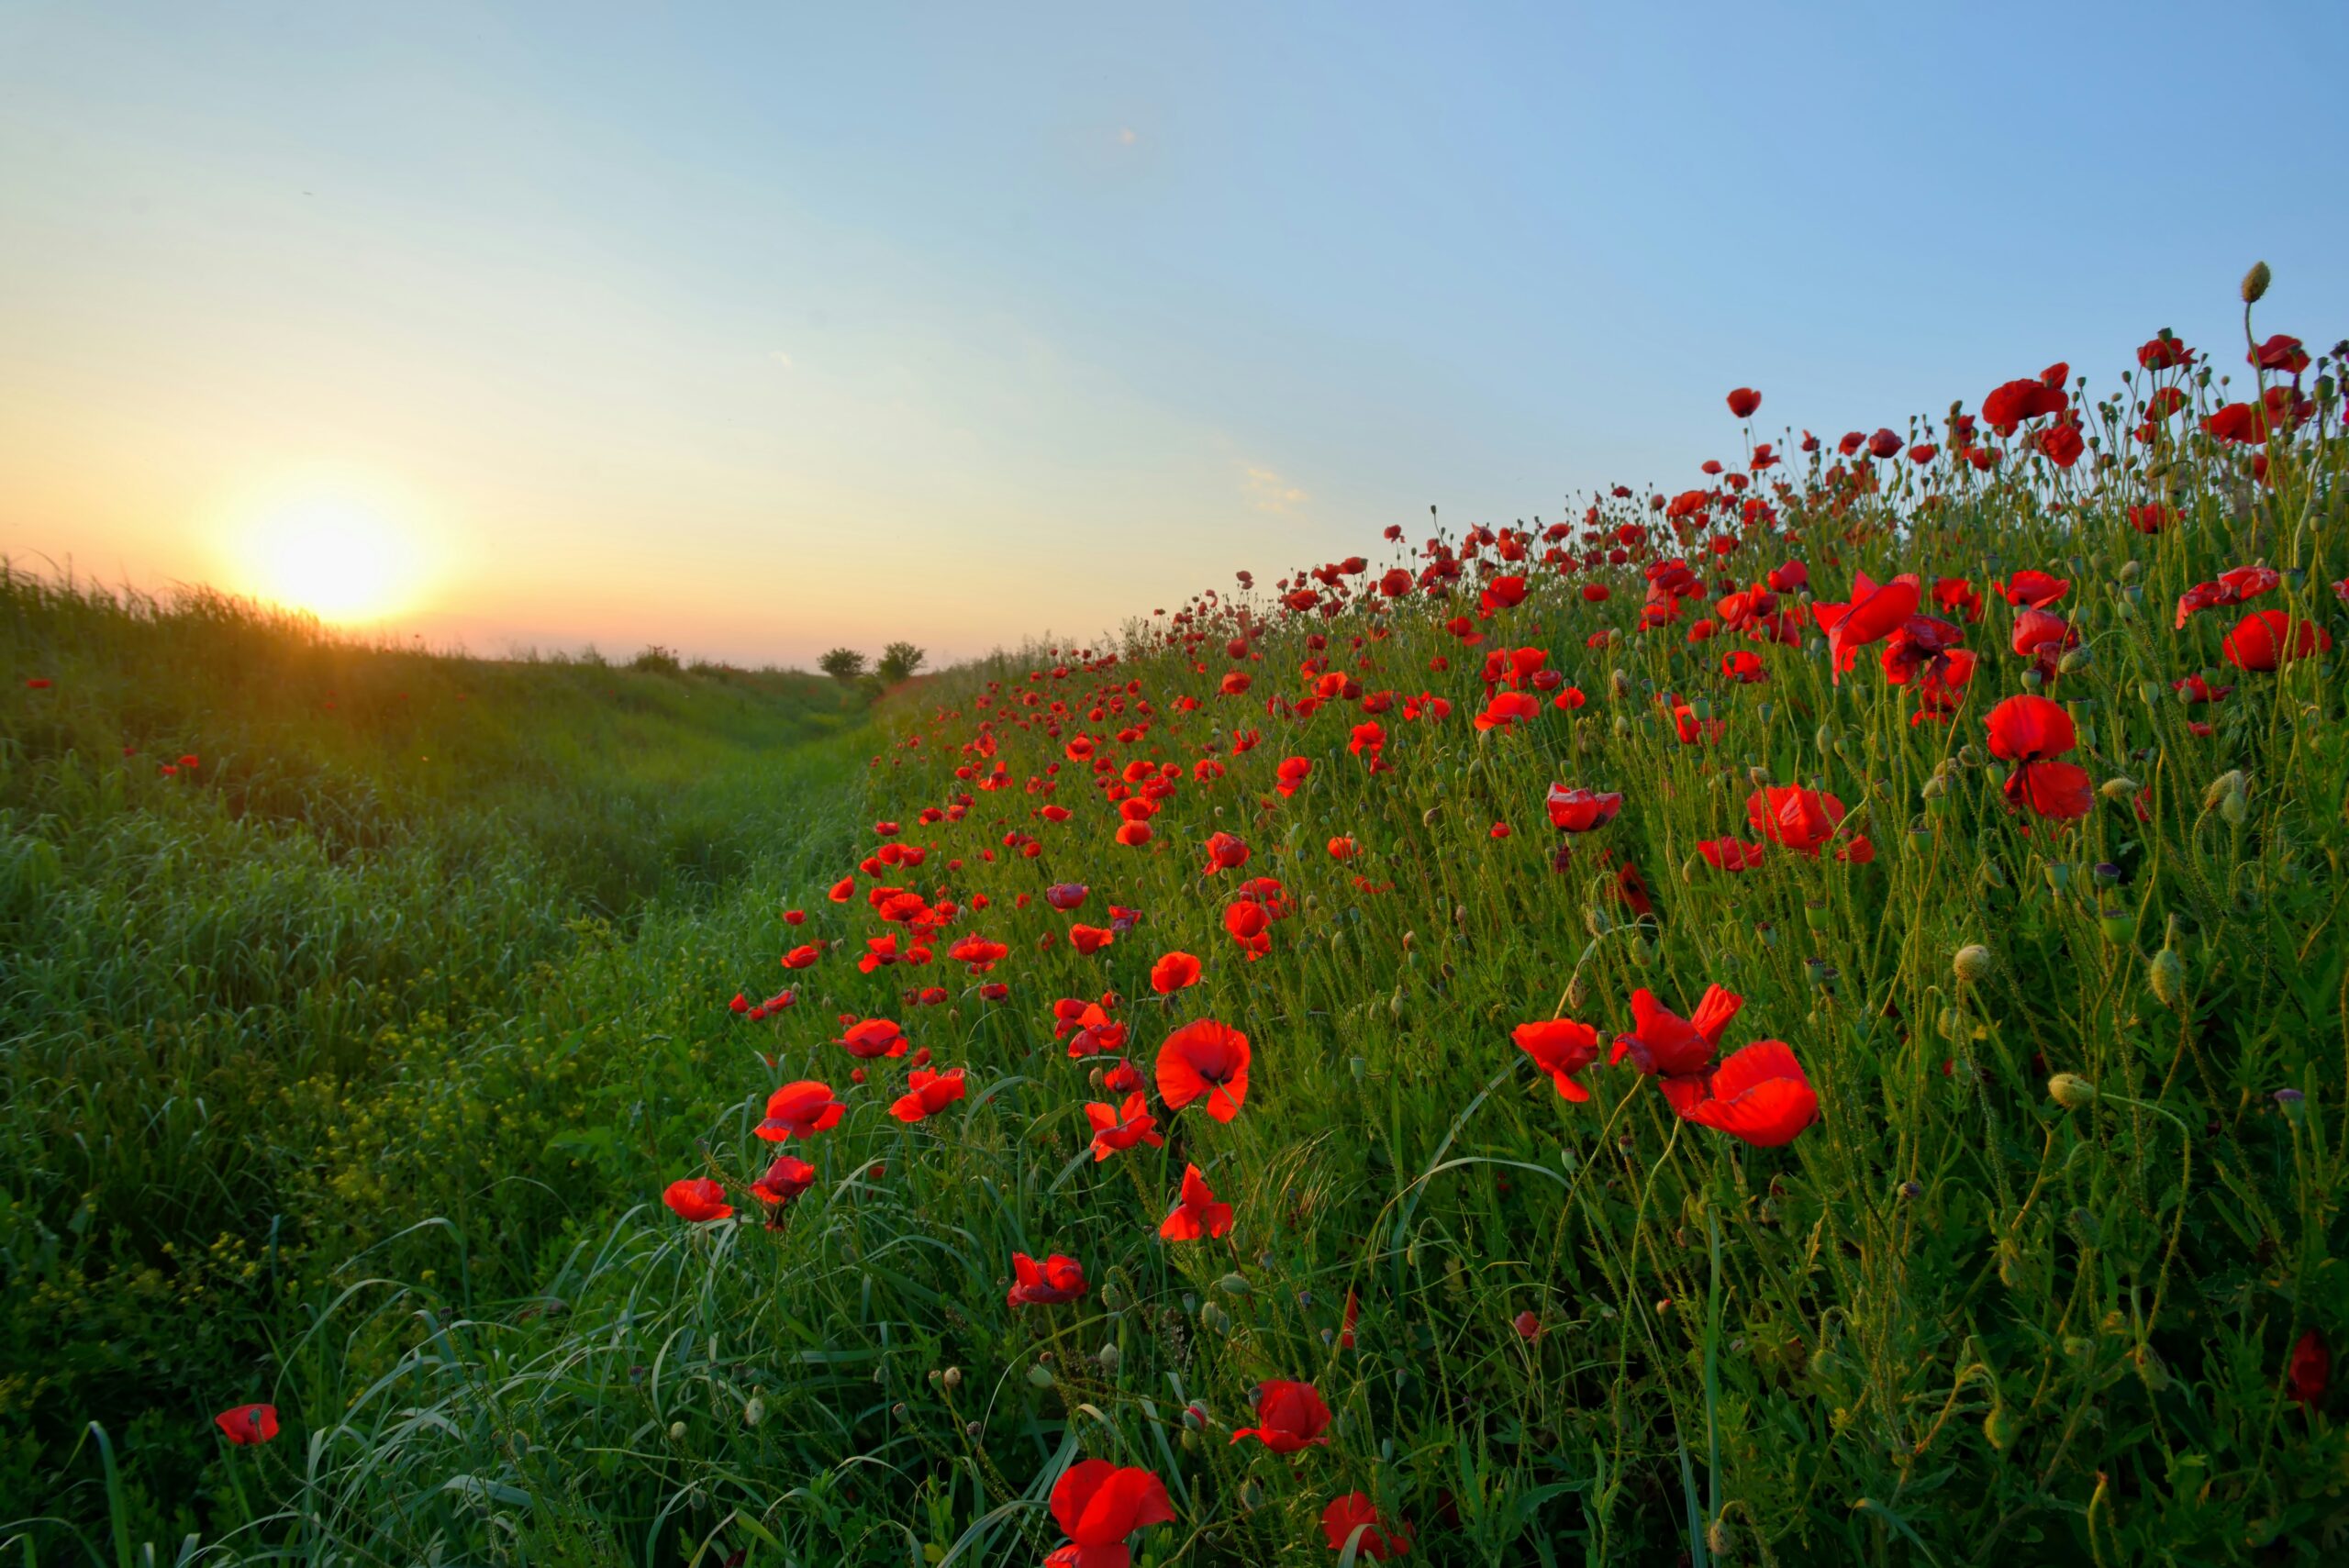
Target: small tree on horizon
x=898, y=660
x=842, y=664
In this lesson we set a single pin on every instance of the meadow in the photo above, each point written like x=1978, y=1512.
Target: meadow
x=1802, y=1018
x=320, y=960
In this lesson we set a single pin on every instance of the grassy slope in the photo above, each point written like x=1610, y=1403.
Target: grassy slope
x=1953, y=1322
x=420, y=941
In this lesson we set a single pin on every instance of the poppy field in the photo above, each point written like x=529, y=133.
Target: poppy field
x=1802, y=1018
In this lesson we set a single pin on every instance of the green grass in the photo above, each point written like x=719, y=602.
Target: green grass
x=1956, y=1320
x=393, y=954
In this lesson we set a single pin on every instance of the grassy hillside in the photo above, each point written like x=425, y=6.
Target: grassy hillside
x=1800, y=1019
x=303, y=944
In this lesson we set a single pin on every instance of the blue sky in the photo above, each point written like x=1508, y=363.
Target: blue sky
x=755, y=330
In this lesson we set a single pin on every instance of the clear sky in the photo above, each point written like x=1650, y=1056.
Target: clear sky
x=753, y=329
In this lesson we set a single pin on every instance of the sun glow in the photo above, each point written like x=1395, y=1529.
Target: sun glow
x=339, y=556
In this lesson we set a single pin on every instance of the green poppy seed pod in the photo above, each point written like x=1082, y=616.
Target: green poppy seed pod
x=1360, y=1065
x=2255, y=282
x=2119, y=788
x=2001, y=1426
x=1039, y=1376
x=2118, y=924
x=1972, y=963
x=2071, y=1091
x=2165, y=973
x=2077, y=660
x=2033, y=680
x=754, y=1411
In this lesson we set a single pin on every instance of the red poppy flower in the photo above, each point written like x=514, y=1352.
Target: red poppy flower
x=1758, y=1094
x=1090, y=939
x=1744, y=401
x=802, y=956
x=1289, y=1417
x=1563, y=1048
x=870, y=1038
x=1196, y=1212
x=1874, y=611
x=1048, y=1284
x=785, y=1180
x=800, y=1110
x=1116, y=1127
x=1225, y=853
x=2057, y=790
x=1289, y=777
x=1743, y=667
x=1802, y=819
x=1098, y=1505
x=1173, y=973
x=2310, y=1368
x=1352, y=1519
x=1664, y=1043
x=1505, y=709
x=1342, y=848
x=1065, y=896
x=1580, y=810
x=1204, y=1060
x=248, y=1426
x=843, y=890
x=697, y=1198
x=2282, y=352
x=1726, y=853
x=2013, y=403
x=2265, y=638
x=2033, y=590
x=1957, y=596
x=2028, y=728
x=2062, y=443
x=926, y=1094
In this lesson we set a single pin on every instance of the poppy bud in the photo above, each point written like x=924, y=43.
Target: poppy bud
x=1972, y=963
x=2255, y=282
x=2118, y=788
x=1039, y=1376
x=2001, y=1425
x=1111, y=1357
x=676, y=1431
x=1216, y=1319
x=1233, y=1284
x=2234, y=807
x=954, y=1378
x=2165, y=973
x=2071, y=1091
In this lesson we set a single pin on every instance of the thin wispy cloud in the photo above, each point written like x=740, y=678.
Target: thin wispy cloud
x=1268, y=492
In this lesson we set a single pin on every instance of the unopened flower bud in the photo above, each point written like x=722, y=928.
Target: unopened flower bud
x=1972, y=963
x=2165, y=973
x=2255, y=282
x=2071, y=1091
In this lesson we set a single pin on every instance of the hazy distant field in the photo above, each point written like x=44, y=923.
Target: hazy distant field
x=1798, y=1020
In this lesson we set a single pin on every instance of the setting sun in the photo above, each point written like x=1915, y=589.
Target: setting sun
x=338, y=557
